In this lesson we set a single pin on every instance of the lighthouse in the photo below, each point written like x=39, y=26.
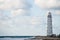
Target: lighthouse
x=49, y=24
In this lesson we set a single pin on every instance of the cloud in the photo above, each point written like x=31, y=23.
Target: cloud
x=20, y=12
x=18, y=9
x=57, y=12
x=36, y=20
x=48, y=3
x=21, y=7
x=14, y=4
x=8, y=4
x=24, y=25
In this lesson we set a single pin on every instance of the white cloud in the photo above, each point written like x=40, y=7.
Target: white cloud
x=48, y=3
x=35, y=20
x=57, y=12
x=1, y=0
x=8, y=4
x=16, y=6
x=13, y=4
x=20, y=26
x=17, y=9
x=20, y=12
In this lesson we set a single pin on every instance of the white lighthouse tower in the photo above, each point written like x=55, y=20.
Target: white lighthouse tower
x=49, y=24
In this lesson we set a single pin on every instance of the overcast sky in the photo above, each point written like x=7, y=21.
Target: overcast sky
x=28, y=17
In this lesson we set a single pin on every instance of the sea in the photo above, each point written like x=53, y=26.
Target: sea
x=15, y=37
